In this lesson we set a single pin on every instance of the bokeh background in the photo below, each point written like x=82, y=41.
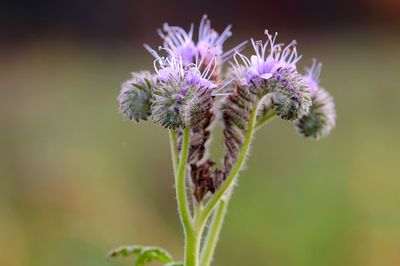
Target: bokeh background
x=76, y=180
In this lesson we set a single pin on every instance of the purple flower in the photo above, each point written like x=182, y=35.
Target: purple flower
x=312, y=76
x=208, y=48
x=268, y=58
x=272, y=70
x=179, y=41
x=179, y=86
x=175, y=74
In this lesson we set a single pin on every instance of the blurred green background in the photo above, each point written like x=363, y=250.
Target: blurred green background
x=76, y=180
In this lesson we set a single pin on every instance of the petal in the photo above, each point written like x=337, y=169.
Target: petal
x=266, y=76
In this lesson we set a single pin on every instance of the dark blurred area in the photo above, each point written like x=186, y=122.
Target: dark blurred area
x=76, y=180
x=121, y=21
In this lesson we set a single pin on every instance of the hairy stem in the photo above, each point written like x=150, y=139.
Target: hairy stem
x=214, y=229
x=192, y=240
x=174, y=151
x=265, y=119
x=180, y=177
x=213, y=233
x=235, y=169
x=192, y=247
x=193, y=229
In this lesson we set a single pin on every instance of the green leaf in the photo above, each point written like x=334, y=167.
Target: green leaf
x=153, y=253
x=124, y=251
x=144, y=254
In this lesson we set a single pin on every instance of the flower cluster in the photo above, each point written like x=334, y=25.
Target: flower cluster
x=272, y=70
x=189, y=92
x=209, y=46
x=188, y=89
x=180, y=90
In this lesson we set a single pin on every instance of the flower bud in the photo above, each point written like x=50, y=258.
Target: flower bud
x=135, y=96
x=322, y=116
x=321, y=119
x=197, y=108
x=166, y=107
x=291, y=96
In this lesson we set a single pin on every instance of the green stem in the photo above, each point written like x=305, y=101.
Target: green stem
x=183, y=205
x=265, y=119
x=235, y=169
x=214, y=229
x=213, y=233
x=191, y=241
x=174, y=151
x=192, y=246
x=193, y=228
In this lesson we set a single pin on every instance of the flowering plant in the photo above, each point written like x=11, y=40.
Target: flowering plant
x=190, y=92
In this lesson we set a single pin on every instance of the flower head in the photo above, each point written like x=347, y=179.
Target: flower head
x=268, y=58
x=290, y=96
x=208, y=48
x=321, y=118
x=177, y=86
x=179, y=41
x=272, y=70
x=135, y=96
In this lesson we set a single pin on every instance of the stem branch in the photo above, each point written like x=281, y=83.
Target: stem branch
x=236, y=167
x=214, y=229
x=183, y=205
x=265, y=119
x=193, y=228
x=213, y=233
x=174, y=151
x=192, y=235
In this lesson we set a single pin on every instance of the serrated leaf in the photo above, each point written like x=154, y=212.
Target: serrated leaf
x=144, y=254
x=125, y=251
x=150, y=254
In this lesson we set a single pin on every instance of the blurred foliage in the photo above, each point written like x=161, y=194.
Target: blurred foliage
x=76, y=180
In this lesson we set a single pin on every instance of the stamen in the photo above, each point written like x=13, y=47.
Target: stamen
x=224, y=35
x=151, y=51
x=246, y=61
x=314, y=71
x=173, y=37
x=190, y=34
x=215, y=66
x=201, y=28
x=207, y=69
x=234, y=58
x=155, y=66
x=225, y=56
x=161, y=34
x=226, y=83
x=221, y=94
x=181, y=34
